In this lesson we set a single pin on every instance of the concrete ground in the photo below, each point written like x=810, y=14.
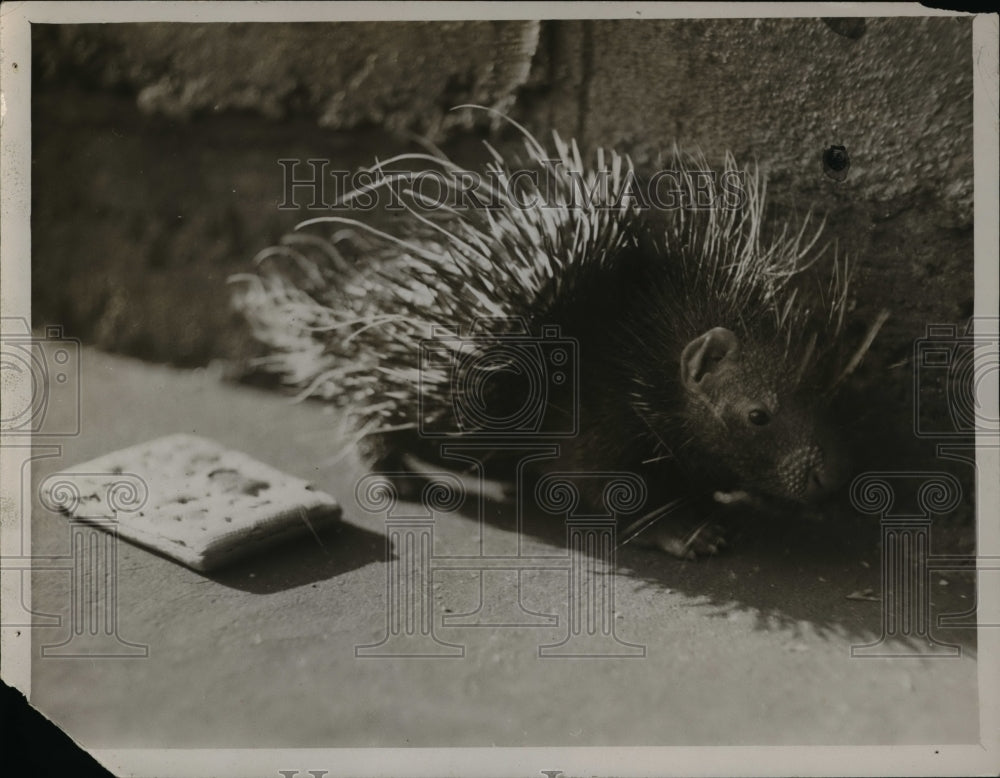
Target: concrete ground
x=750, y=647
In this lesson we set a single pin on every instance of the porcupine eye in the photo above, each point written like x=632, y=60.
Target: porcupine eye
x=759, y=417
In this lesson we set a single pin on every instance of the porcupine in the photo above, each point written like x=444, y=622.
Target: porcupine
x=703, y=364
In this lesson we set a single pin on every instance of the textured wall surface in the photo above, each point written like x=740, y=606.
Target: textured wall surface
x=898, y=96
x=397, y=75
x=896, y=92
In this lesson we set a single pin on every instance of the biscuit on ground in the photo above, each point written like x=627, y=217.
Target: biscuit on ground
x=190, y=499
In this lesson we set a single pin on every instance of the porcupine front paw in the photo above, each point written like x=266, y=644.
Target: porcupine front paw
x=700, y=540
x=682, y=527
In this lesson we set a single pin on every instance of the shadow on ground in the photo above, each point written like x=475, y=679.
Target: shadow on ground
x=824, y=572
x=330, y=553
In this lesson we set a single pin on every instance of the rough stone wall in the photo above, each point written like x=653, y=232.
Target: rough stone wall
x=896, y=91
x=400, y=76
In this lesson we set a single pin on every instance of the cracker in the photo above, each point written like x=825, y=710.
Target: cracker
x=190, y=499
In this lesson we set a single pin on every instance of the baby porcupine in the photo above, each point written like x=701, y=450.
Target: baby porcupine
x=705, y=355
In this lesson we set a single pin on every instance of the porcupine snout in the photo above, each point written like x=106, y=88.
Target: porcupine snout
x=814, y=470
x=804, y=473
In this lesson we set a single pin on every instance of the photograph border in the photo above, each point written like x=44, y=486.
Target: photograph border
x=15, y=253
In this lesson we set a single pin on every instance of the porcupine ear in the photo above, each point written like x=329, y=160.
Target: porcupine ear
x=704, y=356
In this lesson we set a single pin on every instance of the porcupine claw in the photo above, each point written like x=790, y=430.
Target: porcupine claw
x=704, y=540
x=674, y=529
